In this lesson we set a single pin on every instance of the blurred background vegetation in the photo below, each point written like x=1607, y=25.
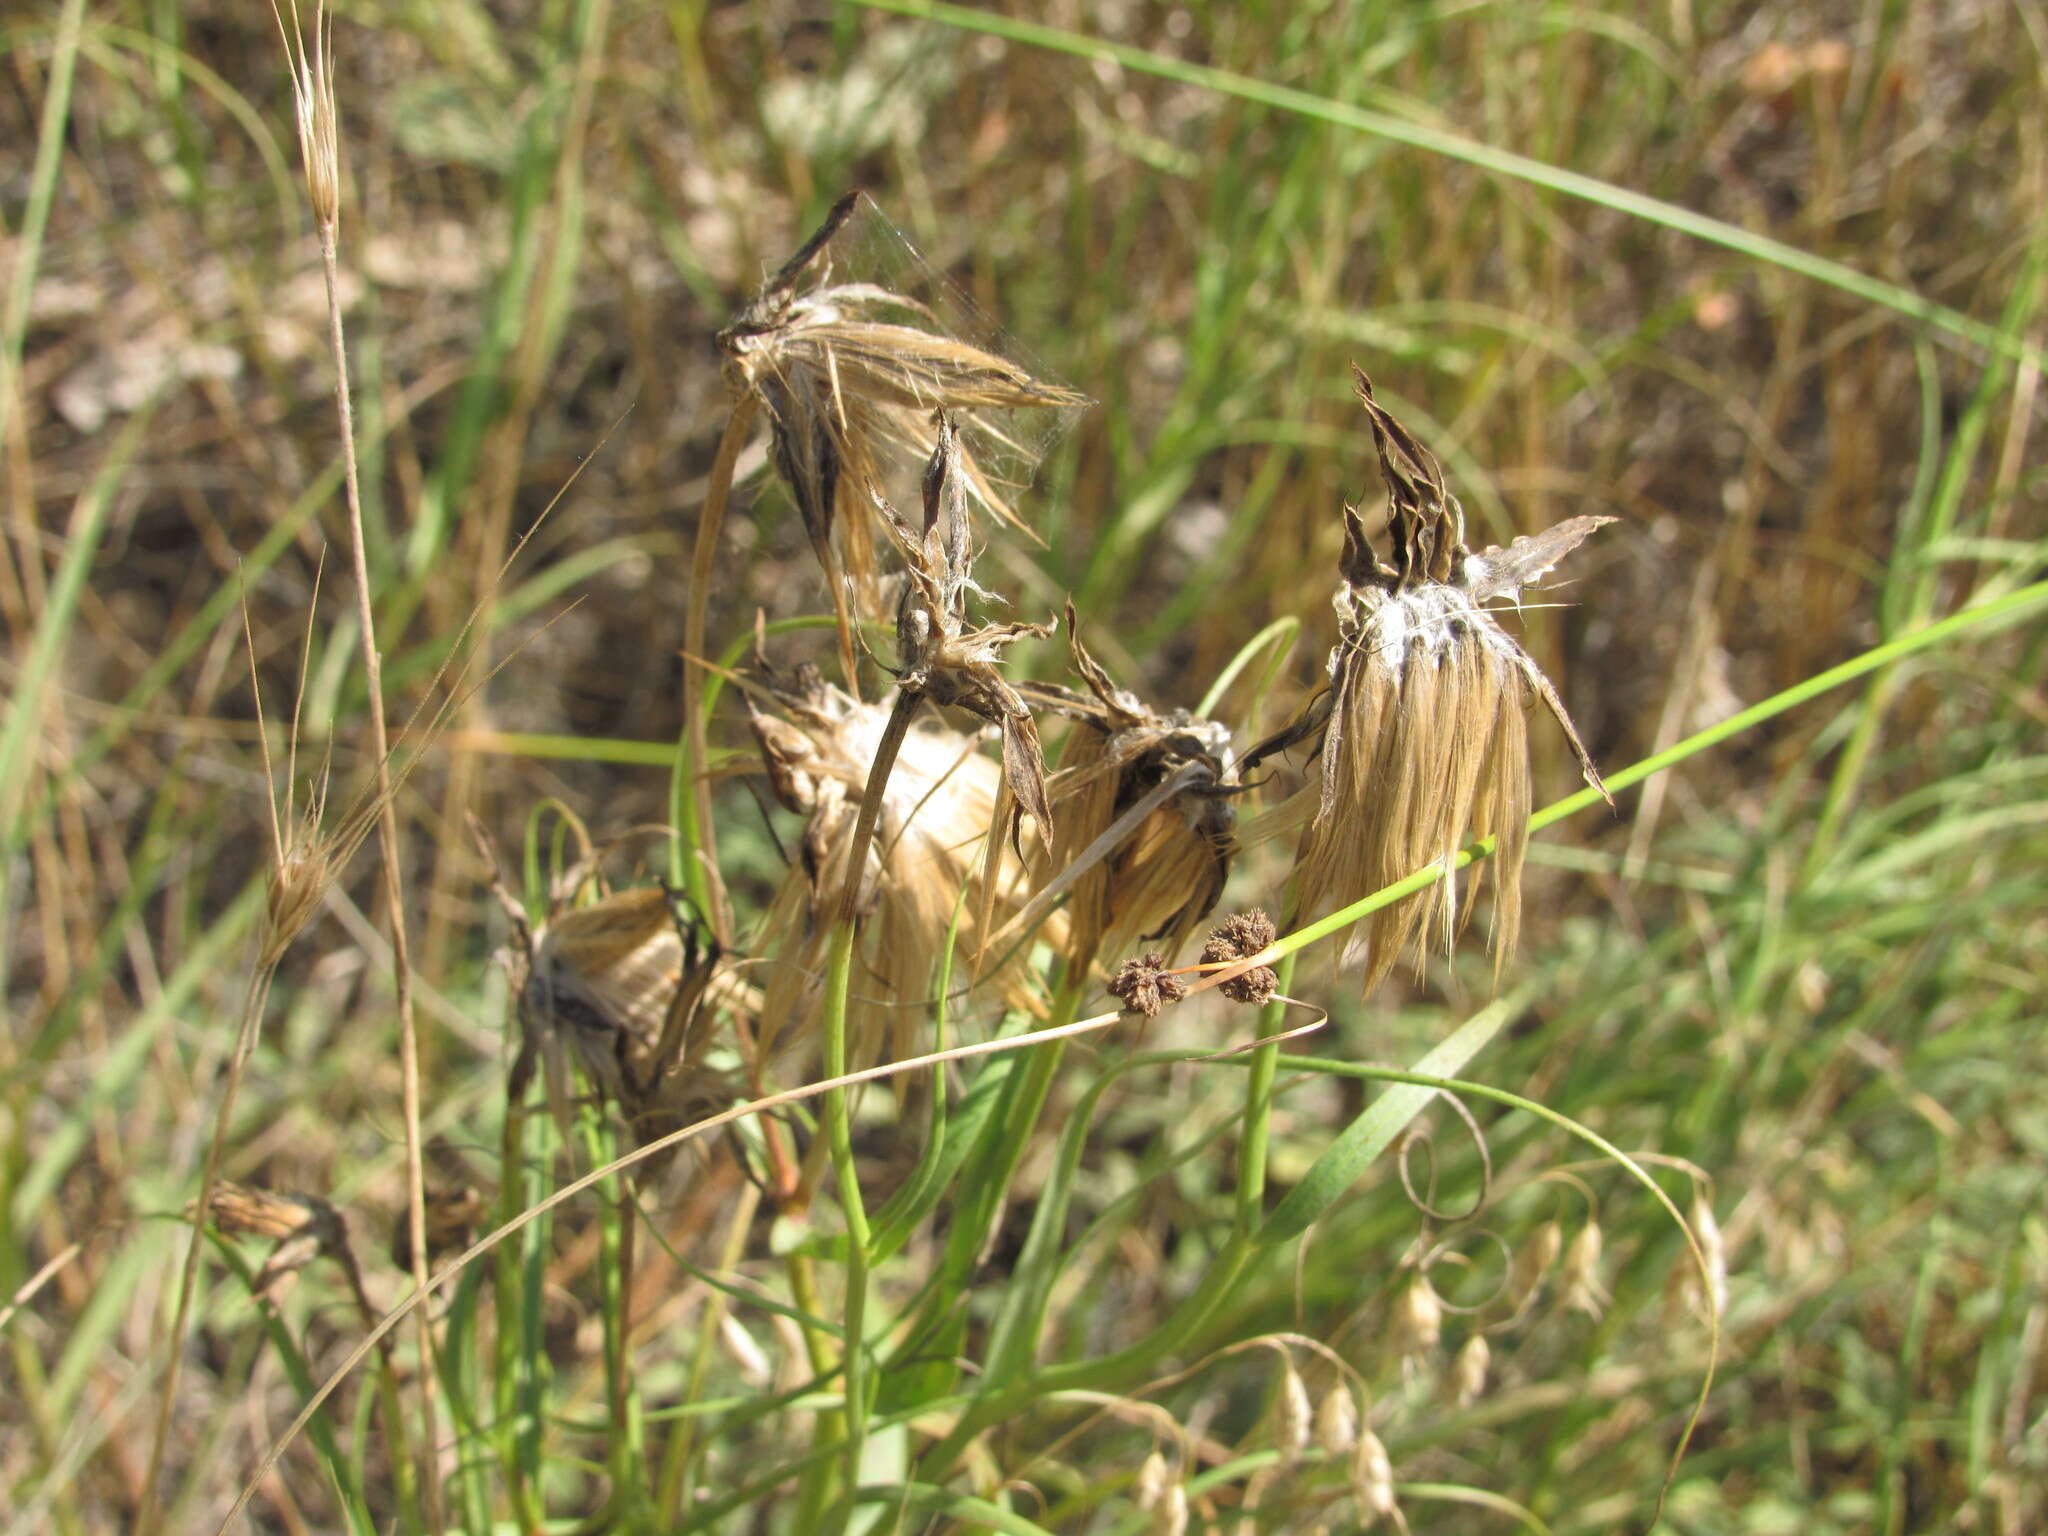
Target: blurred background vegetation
x=1808, y=962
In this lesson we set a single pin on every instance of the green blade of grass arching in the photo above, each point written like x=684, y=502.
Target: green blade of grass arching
x=1834, y=274
x=1359, y=1143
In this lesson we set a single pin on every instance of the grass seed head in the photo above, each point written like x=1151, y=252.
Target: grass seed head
x=1468, y=1370
x=1372, y=1478
x=1170, y=1514
x=1532, y=1263
x=849, y=375
x=1297, y=1416
x=1418, y=1321
x=1579, y=1288
x=1423, y=739
x=1337, y=1422
x=314, y=111
x=1152, y=1480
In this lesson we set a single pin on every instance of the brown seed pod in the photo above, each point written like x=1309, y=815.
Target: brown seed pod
x=1146, y=986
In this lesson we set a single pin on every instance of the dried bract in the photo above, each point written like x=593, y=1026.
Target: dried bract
x=630, y=991
x=945, y=660
x=849, y=375
x=1423, y=741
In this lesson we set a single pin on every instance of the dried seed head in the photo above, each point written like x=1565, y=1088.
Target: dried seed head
x=930, y=843
x=1152, y=1479
x=1579, y=1288
x=304, y=1226
x=1418, y=1321
x=631, y=992
x=452, y=1217
x=1239, y=937
x=942, y=658
x=1468, y=1371
x=1421, y=731
x=1707, y=1232
x=1296, y=1415
x=1532, y=1262
x=1170, y=1514
x=849, y=374
x=1143, y=833
x=313, y=109
x=1146, y=986
x=1372, y=1478
x=1337, y=1422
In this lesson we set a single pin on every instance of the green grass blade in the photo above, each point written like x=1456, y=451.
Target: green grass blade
x=1834, y=274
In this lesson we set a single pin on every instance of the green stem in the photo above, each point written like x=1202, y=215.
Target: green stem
x=1258, y=1110
x=838, y=1120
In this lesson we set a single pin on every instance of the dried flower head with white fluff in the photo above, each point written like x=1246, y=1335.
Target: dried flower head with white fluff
x=1422, y=732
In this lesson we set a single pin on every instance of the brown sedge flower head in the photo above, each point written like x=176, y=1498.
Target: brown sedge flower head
x=1157, y=879
x=849, y=375
x=1422, y=732
x=1146, y=986
x=630, y=992
x=929, y=853
x=1237, y=937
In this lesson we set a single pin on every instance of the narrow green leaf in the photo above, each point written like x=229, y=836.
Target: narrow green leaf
x=1374, y=1131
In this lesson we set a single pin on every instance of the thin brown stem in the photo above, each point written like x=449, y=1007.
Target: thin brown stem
x=392, y=852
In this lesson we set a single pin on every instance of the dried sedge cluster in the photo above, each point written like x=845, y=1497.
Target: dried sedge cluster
x=1422, y=733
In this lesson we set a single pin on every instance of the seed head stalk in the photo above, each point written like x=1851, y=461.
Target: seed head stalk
x=391, y=851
